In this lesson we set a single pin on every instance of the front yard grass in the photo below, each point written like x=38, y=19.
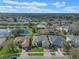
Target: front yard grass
x=35, y=54
x=4, y=51
x=35, y=50
x=65, y=53
x=52, y=51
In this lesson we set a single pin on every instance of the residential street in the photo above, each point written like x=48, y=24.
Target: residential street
x=44, y=57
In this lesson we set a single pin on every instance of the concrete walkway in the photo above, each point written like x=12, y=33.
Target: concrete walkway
x=47, y=52
x=58, y=52
x=23, y=54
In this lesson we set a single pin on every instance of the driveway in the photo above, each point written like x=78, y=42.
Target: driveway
x=23, y=54
x=58, y=52
x=47, y=52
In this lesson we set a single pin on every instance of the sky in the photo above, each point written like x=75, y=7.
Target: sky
x=39, y=6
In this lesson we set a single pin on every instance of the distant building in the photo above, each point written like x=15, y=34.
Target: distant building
x=63, y=28
x=69, y=38
x=75, y=41
x=42, y=25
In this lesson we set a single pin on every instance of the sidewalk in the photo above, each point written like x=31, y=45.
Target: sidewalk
x=23, y=54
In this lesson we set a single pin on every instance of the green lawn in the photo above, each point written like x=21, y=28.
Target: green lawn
x=36, y=50
x=4, y=51
x=8, y=26
x=35, y=54
x=30, y=35
x=52, y=51
x=30, y=29
x=64, y=53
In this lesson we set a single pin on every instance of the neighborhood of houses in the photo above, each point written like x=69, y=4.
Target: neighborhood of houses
x=39, y=38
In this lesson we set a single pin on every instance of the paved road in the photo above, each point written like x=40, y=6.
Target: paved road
x=44, y=57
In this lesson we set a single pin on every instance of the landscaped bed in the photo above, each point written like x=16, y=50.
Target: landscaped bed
x=52, y=53
x=65, y=53
x=36, y=52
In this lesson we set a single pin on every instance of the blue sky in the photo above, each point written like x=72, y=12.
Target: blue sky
x=39, y=6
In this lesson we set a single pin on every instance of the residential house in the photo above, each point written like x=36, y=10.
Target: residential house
x=63, y=28
x=41, y=25
x=69, y=38
x=56, y=40
x=40, y=40
x=73, y=29
x=24, y=41
x=74, y=40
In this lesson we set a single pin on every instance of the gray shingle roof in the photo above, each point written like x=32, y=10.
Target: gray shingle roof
x=75, y=41
x=42, y=39
x=56, y=40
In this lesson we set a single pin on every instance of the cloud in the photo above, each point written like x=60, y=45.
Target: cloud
x=34, y=3
x=59, y=4
x=20, y=7
x=37, y=3
x=28, y=9
x=41, y=10
x=44, y=11
x=33, y=9
x=71, y=9
x=6, y=7
x=15, y=2
x=4, y=10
